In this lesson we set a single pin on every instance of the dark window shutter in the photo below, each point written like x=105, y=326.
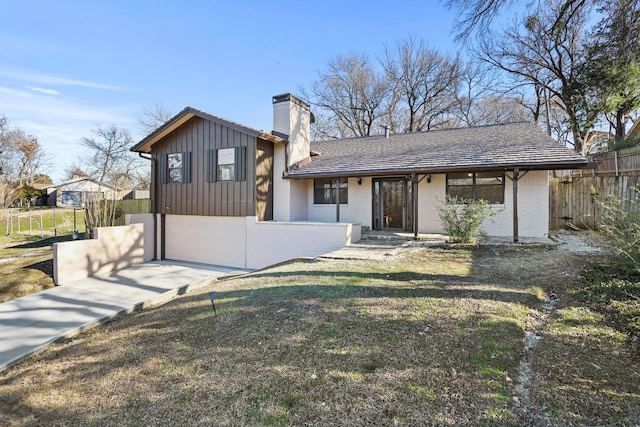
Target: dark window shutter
x=212, y=165
x=241, y=163
x=162, y=168
x=186, y=167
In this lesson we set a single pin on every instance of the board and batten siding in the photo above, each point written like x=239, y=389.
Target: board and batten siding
x=264, y=180
x=199, y=196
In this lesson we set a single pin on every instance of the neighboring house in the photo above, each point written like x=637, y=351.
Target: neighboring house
x=216, y=184
x=597, y=142
x=137, y=195
x=75, y=192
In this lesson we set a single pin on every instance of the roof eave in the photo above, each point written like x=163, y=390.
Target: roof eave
x=172, y=124
x=436, y=170
x=181, y=118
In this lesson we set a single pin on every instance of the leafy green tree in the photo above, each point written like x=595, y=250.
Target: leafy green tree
x=612, y=76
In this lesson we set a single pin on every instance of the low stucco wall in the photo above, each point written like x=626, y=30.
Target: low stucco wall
x=113, y=248
x=269, y=242
x=214, y=240
x=245, y=242
x=147, y=221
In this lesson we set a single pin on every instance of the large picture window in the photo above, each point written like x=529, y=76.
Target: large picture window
x=324, y=191
x=487, y=186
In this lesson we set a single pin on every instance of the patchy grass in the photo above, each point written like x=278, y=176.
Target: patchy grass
x=25, y=221
x=613, y=288
x=431, y=337
x=26, y=266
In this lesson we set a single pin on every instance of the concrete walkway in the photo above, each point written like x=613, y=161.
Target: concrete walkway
x=31, y=323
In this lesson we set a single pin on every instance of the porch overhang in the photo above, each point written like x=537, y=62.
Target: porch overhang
x=354, y=173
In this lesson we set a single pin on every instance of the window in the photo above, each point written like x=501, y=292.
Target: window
x=488, y=186
x=324, y=191
x=174, y=162
x=174, y=168
x=226, y=164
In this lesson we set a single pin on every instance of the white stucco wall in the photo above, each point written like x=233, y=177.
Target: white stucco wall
x=245, y=242
x=218, y=240
x=147, y=221
x=281, y=187
x=299, y=208
x=273, y=242
x=113, y=248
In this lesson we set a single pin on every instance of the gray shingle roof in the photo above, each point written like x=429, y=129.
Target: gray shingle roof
x=505, y=146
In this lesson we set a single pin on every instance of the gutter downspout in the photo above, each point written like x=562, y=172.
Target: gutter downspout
x=286, y=159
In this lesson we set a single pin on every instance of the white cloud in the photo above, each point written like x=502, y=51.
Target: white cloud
x=39, y=77
x=43, y=90
x=59, y=123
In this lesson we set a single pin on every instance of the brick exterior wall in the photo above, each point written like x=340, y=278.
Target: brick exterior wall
x=533, y=206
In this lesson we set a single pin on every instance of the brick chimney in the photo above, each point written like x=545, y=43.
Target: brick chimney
x=292, y=120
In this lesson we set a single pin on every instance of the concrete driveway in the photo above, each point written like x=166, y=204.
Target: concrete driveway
x=31, y=323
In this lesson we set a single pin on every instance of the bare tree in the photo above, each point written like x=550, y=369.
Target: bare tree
x=21, y=157
x=353, y=92
x=423, y=85
x=480, y=99
x=154, y=117
x=74, y=171
x=477, y=16
x=547, y=57
x=29, y=155
x=111, y=165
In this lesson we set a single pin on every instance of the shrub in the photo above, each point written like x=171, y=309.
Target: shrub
x=621, y=224
x=462, y=219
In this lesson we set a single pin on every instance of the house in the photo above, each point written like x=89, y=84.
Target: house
x=78, y=190
x=224, y=193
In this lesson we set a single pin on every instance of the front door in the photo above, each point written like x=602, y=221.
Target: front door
x=391, y=204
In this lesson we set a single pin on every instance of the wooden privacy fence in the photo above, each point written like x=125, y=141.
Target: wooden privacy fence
x=613, y=163
x=575, y=200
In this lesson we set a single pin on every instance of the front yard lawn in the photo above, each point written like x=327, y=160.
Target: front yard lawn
x=428, y=337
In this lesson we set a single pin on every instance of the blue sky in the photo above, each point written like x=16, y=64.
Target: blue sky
x=69, y=66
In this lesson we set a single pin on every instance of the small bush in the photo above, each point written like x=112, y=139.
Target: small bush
x=621, y=224
x=462, y=219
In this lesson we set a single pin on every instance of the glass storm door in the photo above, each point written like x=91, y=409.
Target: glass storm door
x=392, y=204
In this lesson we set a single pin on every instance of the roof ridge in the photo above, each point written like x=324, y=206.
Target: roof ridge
x=399, y=134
